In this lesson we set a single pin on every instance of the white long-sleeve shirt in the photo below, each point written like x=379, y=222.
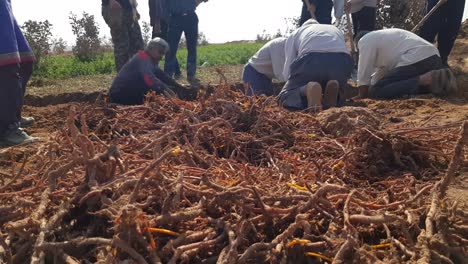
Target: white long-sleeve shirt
x=269, y=59
x=313, y=37
x=383, y=50
x=357, y=5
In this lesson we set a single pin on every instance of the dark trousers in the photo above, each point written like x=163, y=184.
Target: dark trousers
x=188, y=24
x=257, y=83
x=26, y=69
x=11, y=96
x=125, y=33
x=315, y=67
x=403, y=81
x=163, y=35
x=323, y=10
x=364, y=19
x=444, y=23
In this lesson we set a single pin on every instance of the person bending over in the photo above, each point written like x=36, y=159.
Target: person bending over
x=262, y=67
x=141, y=75
x=317, y=65
x=395, y=63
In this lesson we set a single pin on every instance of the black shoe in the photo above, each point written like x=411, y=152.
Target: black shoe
x=15, y=136
x=27, y=121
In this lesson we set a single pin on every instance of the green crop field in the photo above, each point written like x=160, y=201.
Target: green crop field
x=67, y=66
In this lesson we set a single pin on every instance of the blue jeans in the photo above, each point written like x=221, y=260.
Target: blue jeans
x=258, y=83
x=445, y=23
x=315, y=67
x=323, y=9
x=403, y=81
x=188, y=24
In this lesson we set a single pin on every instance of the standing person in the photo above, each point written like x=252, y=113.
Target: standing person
x=122, y=18
x=318, y=66
x=266, y=64
x=159, y=18
x=363, y=13
x=395, y=62
x=182, y=19
x=320, y=8
x=445, y=23
x=16, y=64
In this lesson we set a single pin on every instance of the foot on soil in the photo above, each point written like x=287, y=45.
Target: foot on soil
x=330, y=98
x=15, y=137
x=313, y=92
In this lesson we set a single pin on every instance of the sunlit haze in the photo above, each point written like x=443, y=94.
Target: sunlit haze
x=220, y=20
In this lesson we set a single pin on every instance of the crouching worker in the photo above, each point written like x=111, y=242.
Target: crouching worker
x=265, y=65
x=318, y=66
x=395, y=63
x=141, y=75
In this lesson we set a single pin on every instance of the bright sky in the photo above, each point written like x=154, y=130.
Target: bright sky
x=220, y=20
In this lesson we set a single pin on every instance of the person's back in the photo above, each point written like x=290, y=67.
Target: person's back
x=386, y=49
x=129, y=85
x=269, y=59
x=313, y=37
x=321, y=38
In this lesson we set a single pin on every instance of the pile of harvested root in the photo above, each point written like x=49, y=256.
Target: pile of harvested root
x=229, y=179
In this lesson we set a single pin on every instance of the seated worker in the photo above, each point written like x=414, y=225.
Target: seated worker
x=395, y=62
x=316, y=58
x=265, y=65
x=141, y=74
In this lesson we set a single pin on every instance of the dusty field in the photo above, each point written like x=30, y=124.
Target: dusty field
x=229, y=179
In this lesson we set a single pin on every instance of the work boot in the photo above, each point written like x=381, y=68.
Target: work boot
x=330, y=98
x=313, y=93
x=27, y=121
x=15, y=136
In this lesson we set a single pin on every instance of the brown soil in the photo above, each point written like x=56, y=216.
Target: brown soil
x=232, y=180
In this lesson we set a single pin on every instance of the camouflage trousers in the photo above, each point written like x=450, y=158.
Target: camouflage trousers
x=125, y=33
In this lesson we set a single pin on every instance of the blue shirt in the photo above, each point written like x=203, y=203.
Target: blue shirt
x=137, y=77
x=176, y=7
x=14, y=47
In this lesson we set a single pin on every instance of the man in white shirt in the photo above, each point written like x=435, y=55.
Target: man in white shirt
x=363, y=13
x=317, y=66
x=395, y=62
x=265, y=65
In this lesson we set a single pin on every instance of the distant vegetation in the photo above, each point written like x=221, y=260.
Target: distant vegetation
x=68, y=66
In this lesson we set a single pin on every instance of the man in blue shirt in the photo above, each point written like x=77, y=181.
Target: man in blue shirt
x=141, y=75
x=182, y=18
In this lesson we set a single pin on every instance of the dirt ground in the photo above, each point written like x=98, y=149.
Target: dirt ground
x=439, y=117
x=50, y=110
